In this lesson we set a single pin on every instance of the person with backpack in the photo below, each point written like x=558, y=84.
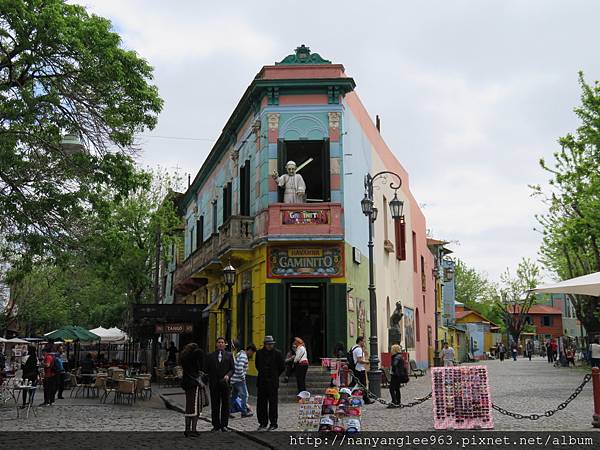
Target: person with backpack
x=356, y=364
x=59, y=369
x=49, y=376
x=399, y=375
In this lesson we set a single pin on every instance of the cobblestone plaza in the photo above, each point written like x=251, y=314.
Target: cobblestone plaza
x=522, y=386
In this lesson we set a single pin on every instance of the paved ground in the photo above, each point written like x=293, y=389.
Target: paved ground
x=522, y=386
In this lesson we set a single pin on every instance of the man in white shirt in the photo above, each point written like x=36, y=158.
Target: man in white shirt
x=358, y=355
x=595, y=353
x=448, y=355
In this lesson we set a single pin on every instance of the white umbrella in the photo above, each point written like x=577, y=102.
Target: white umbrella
x=585, y=285
x=109, y=336
x=17, y=341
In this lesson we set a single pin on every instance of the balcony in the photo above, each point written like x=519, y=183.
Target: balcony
x=310, y=219
x=235, y=233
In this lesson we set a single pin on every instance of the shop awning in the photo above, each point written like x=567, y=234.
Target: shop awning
x=585, y=285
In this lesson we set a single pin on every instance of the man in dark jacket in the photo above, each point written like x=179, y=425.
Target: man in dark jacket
x=270, y=365
x=219, y=367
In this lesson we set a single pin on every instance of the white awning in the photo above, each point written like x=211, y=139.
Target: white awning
x=110, y=336
x=585, y=285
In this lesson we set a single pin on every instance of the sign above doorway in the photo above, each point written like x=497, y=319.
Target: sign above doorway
x=174, y=328
x=306, y=262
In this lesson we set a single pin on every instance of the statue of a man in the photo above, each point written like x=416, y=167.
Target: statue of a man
x=295, y=189
x=396, y=316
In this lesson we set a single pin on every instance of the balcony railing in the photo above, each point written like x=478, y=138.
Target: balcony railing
x=236, y=232
x=323, y=219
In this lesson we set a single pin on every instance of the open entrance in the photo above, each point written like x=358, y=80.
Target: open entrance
x=307, y=318
x=315, y=173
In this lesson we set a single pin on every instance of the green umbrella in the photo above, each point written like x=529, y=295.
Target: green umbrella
x=73, y=333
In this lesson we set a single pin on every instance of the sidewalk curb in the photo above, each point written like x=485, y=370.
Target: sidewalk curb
x=169, y=404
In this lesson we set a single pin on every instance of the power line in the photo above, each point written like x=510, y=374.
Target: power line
x=181, y=138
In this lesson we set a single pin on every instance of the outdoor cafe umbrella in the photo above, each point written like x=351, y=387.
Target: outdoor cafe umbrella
x=72, y=333
x=16, y=341
x=585, y=285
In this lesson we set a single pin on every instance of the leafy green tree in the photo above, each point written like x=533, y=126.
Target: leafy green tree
x=63, y=70
x=475, y=291
x=112, y=266
x=571, y=226
x=515, y=299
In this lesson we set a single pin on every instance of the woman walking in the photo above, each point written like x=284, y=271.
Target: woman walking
x=192, y=362
x=300, y=364
x=30, y=371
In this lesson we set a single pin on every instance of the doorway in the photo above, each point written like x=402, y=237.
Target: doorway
x=307, y=318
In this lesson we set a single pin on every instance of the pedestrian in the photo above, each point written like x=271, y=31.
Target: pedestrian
x=448, y=355
x=529, y=348
x=269, y=364
x=239, y=389
x=595, y=353
x=300, y=364
x=502, y=351
x=339, y=351
x=549, y=352
x=88, y=367
x=49, y=375
x=570, y=356
x=399, y=375
x=219, y=367
x=358, y=370
x=171, y=358
x=30, y=371
x=554, y=347
x=192, y=362
x=513, y=350
x=59, y=361
x=289, y=362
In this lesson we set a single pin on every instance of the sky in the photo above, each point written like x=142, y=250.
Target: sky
x=471, y=94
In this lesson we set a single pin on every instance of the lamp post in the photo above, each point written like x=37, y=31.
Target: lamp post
x=368, y=209
x=229, y=274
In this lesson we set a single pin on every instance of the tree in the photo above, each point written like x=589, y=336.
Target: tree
x=516, y=300
x=571, y=226
x=475, y=291
x=64, y=71
x=111, y=268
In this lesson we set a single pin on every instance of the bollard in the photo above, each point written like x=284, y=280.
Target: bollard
x=596, y=389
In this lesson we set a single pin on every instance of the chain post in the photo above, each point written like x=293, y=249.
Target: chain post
x=596, y=388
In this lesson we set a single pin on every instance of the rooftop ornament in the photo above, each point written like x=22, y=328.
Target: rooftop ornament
x=303, y=56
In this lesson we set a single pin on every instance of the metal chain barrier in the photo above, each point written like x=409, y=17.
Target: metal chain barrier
x=550, y=412
x=383, y=401
x=501, y=410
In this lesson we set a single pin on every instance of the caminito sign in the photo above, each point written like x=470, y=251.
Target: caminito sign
x=305, y=217
x=306, y=262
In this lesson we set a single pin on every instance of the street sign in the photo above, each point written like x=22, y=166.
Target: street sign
x=173, y=328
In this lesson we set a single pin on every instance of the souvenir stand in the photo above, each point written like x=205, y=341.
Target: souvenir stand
x=338, y=411
x=461, y=398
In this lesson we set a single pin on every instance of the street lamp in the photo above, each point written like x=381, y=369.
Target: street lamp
x=368, y=209
x=229, y=274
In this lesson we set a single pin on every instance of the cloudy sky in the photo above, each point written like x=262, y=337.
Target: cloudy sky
x=470, y=93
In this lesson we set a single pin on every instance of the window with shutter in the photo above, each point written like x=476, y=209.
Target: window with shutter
x=400, y=228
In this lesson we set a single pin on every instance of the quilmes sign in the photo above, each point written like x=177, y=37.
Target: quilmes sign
x=306, y=262
x=175, y=328
x=305, y=217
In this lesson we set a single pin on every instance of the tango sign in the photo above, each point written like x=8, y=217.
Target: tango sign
x=175, y=328
x=306, y=262
x=305, y=217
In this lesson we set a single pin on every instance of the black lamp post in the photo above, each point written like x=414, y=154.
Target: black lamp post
x=229, y=274
x=368, y=209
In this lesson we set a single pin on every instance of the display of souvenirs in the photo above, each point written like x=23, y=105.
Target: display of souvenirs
x=337, y=411
x=338, y=370
x=309, y=412
x=461, y=398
